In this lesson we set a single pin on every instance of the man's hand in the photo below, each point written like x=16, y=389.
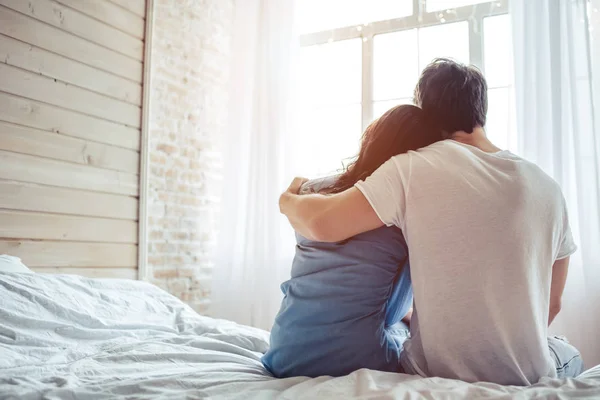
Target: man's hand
x=296, y=185
x=293, y=189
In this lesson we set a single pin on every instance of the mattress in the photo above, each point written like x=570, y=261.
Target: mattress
x=69, y=337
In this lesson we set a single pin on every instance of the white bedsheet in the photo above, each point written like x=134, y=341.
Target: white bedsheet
x=67, y=337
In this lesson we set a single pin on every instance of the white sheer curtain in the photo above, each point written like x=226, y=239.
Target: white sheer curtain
x=255, y=242
x=557, y=128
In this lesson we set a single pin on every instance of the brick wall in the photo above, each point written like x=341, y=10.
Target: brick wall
x=190, y=65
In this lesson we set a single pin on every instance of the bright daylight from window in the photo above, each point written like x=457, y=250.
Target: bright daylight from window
x=356, y=65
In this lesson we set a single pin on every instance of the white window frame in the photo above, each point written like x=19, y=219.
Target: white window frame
x=473, y=14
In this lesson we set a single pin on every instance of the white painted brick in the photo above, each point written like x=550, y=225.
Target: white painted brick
x=190, y=74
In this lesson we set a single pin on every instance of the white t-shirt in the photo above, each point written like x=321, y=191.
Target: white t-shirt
x=483, y=231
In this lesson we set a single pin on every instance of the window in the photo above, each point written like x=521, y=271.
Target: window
x=356, y=64
x=501, y=119
x=441, y=5
x=330, y=91
x=321, y=15
x=399, y=57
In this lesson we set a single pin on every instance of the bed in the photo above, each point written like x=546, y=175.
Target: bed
x=70, y=337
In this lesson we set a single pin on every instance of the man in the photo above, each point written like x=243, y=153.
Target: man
x=488, y=238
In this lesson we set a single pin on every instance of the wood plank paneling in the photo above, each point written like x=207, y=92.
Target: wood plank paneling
x=29, y=30
x=79, y=24
x=48, y=199
x=143, y=270
x=25, y=168
x=110, y=14
x=19, y=139
x=70, y=119
x=98, y=272
x=24, y=225
x=45, y=253
x=37, y=87
x=138, y=7
x=52, y=65
x=50, y=118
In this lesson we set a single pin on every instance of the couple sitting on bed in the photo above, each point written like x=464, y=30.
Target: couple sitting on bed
x=430, y=205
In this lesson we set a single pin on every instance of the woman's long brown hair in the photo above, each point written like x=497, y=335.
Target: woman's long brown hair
x=400, y=129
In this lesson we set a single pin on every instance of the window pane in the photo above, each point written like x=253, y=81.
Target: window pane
x=446, y=40
x=331, y=73
x=395, y=64
x=438, y=5
x=379, y=107
x=330, y=135
x=497, y=51
x=501, y=119
x=320, y=15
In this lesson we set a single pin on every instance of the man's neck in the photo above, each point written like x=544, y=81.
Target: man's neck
x=477, y=138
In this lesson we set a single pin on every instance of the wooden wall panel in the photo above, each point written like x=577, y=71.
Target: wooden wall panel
x=20, y=139
x=25, y=168
x=47, y=253
x=109, y=13
x=32, y=113
x=37, y=87
x=137, y=7
x=70, y=134
x=21, y=225
x=59, y=200
x=79, y=24
x=40, y=34
x=43, y=62
x=99, y=272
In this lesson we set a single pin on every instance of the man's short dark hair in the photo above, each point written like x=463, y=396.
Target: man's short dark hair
x=453, y=95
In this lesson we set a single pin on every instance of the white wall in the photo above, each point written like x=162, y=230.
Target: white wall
x=190, y=75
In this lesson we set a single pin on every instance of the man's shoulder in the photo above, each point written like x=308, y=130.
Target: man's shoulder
x=428, y=155
x=447, y=147
x=434, y=148
x=536, y=174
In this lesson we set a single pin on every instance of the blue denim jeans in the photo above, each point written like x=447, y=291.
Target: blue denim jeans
x=566, y=357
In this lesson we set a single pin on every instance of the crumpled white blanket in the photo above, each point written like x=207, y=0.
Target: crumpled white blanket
x=69, y=337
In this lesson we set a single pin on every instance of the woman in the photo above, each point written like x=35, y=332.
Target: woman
x=343, y=305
